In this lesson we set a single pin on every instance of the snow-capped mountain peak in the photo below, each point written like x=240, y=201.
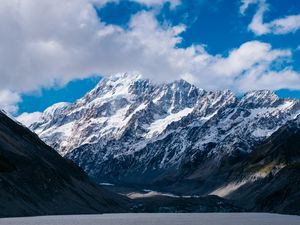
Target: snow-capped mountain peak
x=128, y=125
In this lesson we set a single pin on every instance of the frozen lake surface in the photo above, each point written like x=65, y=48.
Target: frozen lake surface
x=161, y=219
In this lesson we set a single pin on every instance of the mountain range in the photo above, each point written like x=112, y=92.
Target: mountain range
x=178, y=138
x=35, y=180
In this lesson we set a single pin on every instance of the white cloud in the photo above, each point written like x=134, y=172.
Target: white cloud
x=286, y=25
x=279, y=26
x=173, y=3
x=251, y=66
x=246, y=56
x=149, y=3
x=9, y=101
x=245, y=4
x=271, y=80
x=42, y=44
x=257, y=25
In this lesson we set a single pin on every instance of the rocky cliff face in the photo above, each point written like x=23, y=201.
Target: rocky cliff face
x=128, y=130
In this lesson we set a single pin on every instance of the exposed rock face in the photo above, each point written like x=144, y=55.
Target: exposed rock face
x=131, y=131
x=36, y=180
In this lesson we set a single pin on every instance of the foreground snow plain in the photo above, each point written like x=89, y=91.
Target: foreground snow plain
x=162, y=219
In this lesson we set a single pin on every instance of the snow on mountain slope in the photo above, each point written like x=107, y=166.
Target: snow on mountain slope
x=160, y=124
x=127, y=126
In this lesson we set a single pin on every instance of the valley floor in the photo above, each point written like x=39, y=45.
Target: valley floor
x=163, y=219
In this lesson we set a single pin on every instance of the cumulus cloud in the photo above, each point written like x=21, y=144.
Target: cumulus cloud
x=246, y=56
x=46, y=42
x=254, y=65
x=271, y=80
x=279, y=26
x=49, y=41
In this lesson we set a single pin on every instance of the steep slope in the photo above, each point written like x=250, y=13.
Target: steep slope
x=268, y=178
x=130, y=131
x=36, y=180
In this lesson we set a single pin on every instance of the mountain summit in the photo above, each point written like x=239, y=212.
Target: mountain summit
x=129, y=130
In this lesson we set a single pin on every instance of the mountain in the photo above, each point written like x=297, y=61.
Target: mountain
x=268, y=178
x=172, y=137
x=36, y=180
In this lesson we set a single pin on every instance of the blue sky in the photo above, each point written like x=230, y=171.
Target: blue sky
x=41, y=99
x=217, y=33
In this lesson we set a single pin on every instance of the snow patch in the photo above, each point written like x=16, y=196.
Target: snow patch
x=158, y=126
x=29, y=118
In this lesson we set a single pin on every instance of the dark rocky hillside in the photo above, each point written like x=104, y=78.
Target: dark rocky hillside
x=36, y=180
x=279, y=158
